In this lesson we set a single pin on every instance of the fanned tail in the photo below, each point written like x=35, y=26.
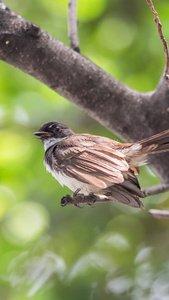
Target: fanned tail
x=120, y=193
x=156, y=144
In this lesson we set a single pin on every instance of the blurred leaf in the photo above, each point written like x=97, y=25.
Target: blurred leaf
x=25, y=222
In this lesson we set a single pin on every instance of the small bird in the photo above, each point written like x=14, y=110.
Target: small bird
x=96, y=165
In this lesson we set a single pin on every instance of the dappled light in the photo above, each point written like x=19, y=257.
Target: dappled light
x=25, y=222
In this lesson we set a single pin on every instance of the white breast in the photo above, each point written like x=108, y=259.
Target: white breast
x=72, y=183
x=62, y=178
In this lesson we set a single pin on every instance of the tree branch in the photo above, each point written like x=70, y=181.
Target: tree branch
x=68, y=200
x=130, y=114
x=149, y=191
x=89, y=200
x=156, y=189
x=159, y=28
x=72, y=25
x=159, y=214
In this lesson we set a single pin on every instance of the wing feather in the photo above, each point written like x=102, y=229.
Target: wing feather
x=107, y=174
x=112, y=160
x=93, y=163
x=85, y=177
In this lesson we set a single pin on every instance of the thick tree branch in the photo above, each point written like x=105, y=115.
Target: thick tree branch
x=72, y=25
x=159, y=28
x=130, y=114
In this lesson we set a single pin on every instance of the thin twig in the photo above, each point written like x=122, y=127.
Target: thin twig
x=89, y=199
x=159, y=214
x=159, y=28
x=82, y=200
x=156, y=189
x=153, y=190
x=72, y=25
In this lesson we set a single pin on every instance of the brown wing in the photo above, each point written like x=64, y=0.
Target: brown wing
x=91, y=163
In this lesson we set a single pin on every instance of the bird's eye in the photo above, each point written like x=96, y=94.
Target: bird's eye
x=57, y=128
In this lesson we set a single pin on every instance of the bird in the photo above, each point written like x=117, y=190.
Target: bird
x=98, y=166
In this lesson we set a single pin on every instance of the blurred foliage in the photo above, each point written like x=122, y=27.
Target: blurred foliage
x=49, y=252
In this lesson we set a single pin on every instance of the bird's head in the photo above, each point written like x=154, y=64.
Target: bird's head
x=53, y=132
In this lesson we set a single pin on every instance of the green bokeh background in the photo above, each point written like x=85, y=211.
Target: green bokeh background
x=110, y=251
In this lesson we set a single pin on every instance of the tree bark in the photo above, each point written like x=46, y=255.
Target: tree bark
x=130, y=114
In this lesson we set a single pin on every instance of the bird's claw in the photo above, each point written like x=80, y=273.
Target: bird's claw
x=78, y=206
x=75, y=193
x=90, y=205
x=76, y=198
x=65, y=200
x=93, y=198
x=72, y=199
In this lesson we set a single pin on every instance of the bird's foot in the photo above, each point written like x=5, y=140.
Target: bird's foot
x=93, y=198
x=79, y=197
x=66, y=200
x=74, y=199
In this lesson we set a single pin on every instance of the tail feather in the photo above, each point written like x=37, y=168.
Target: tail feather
x=156, y=144
x=128, y=192
x=119, y=193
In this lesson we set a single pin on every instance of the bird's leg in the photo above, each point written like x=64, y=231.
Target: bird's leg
x=75, y=195
x=78, y=197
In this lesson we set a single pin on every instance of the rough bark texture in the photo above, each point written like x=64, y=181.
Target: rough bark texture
x=130, y=114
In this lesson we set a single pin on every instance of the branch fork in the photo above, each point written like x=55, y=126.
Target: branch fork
x=80, y=81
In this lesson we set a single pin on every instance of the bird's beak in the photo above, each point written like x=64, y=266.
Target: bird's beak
x=41, y=134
